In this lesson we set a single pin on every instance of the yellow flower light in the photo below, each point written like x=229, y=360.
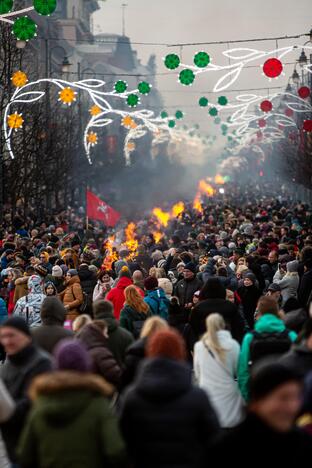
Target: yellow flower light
x=67, y=96
x=15, y=121
x=19, y=79
x=92, y=138
x=131, y=146
x=95, y=110
x=128, y=122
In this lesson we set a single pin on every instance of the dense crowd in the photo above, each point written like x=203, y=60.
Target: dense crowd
x=192, y=349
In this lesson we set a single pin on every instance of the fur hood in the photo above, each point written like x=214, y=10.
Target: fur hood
x=60, y=381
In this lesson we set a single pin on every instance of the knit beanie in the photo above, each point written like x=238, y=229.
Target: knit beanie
x=18, y=323
x=250, y=276
x=71, y=355
x=191, y=267
x=292, y=267
x=72, y=272
x=150, y=283
x=41, y=270
x=268, y=375
x=166, y=285
x=57, y=271
x=166, y=344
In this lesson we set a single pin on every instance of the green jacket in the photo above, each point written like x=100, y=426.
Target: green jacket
x=267, y=323
x=71, y=424
x=129, y=315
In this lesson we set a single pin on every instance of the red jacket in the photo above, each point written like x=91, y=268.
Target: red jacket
x=117, y=295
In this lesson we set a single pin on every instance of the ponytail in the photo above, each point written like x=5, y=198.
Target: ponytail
x=214, y=323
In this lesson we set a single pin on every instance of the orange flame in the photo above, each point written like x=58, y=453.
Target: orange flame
x=157, y=236
x=197, y=204
x=131, y=241
x=219, y=180
x=178, y=209
x=162, y=216
x=205, y=188
x=110, y=254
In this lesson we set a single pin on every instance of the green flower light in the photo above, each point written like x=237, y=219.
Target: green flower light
x=45, y=7
x=217, y=120
x=121, y=86
x=164, y=114
x=224, y=128
x=144, y=87
x=5, y=6
x=201, y=59
x=179, y=115
x=213, y=111
x=171, y=123
x=172, y=61
x=187, y=77
x=24, y=28
x=223, y=101
x=203, y=102
x=133, y=100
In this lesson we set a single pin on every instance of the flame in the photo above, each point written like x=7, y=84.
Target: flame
x=162, y=216
x=197, y=204
x=205, y=188
x=110, y=254
x=131, y=241
x=178, y=209
x=219, y=180
x=157, y=236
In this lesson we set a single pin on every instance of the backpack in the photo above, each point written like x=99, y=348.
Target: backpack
x=83, y=307
x=268, y=344
x=162, y=307
x=137, y=328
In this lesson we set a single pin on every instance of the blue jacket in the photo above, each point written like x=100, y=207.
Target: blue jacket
x=3, y=311
x=158, y=303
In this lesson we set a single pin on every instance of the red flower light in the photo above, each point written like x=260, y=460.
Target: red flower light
x=266, y=106
x=272, y=68
x=304, y=92
x=262, y=123
x=289, y=112
x=259, y=135
x=307, y=125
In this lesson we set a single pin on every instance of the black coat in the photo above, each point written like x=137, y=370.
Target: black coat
x=185, y=290
x=255, y=444
x=299, y=358
x=17, y=373
x=305, y=288
x=295, y=319
x=227, y=309
x=134, y=356
x=249, y=296
x=88, y=282
x=166, y=421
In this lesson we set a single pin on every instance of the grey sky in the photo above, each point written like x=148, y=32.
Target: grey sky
x=175, y=21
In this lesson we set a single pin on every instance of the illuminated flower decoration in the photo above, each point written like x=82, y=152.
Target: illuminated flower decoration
x=45, y=7
x=24, y=28
x=95, y=110
x=172, y=61
x=187, y=77
x=131, y=146
x=272, y=68
x=213, y=111
x=128, y=122
x=266, y=106
x=67, y=96
x=133, y=100
x=19, y=79
x=5, y=6
x=307, y=126
x=144, y=87
x=304, y=92
x=217, y=120
x=224, y=128
x=203, y=102
x=171, y=123
x=222, y=101
x=164, y=114
x=15, y=121
x=289, y=112
x=201, y=59
x=121, y=86
x=92, y=138
x=262, y=123
x=179, y=115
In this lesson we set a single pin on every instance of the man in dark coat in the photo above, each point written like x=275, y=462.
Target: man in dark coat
x=267, y=437
x=305, y=287
x=88, y=282
x=52, y=330
x=24, y=362
x=119, y=339
x=300, y=355
x=186, y=287
x=165, y=420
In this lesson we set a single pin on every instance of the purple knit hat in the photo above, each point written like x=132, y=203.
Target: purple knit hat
x=71, y=355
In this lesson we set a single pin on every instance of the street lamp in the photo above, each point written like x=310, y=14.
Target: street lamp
x=20, y=44
x=303, y=60
x=66, y=65
x=295, y=77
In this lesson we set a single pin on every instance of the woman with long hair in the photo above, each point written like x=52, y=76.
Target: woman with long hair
x=215, y=364
x=135, y=311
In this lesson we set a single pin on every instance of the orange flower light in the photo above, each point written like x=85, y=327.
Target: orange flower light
x=15, y=121
x=128, y=122
x=95, y=110
x=19, y=79
x=92, y=138
x=67, y=96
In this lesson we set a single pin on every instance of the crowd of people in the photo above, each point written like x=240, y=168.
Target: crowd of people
x=183, y=352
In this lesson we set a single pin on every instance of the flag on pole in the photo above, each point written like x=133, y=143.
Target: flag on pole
x=98, y=210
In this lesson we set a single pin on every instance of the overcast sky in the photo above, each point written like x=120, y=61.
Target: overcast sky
x=180, y=21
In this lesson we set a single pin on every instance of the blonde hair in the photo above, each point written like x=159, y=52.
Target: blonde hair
x=157, y=273
x=152, y=325
x=135, y=300
x=214, y=323
x=80, y=322
x=241, y=269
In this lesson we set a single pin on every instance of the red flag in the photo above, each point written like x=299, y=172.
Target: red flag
x=101, y=211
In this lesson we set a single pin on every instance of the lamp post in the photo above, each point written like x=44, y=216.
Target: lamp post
x=295, y=77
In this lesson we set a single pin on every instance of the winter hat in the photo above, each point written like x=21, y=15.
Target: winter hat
x=274, y=287
x=268, y=375
x=64, y=269
x=41, y=270
x=166, y=285
x=18, y=323
x=124, y=272
x=232, y=245
x=93, y=268
x=72, y=272
x=71, y=355
x=34, y=284
x=181, y=264
x=57, y=271
x=87, y=256
x=52, y=310
x=166, y=344
x=250, y=276
x=292, y=267
x=191, y=267
x=150, y=283
x=223, y=235
x=157, y=255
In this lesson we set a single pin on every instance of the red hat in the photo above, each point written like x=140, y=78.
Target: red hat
x=167, y=344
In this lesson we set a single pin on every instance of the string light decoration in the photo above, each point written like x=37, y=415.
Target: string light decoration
x=272, y=65
x=23, y=27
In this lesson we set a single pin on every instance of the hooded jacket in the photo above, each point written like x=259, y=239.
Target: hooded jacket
x=28, y=307
x=300, y=358
x=117, y=295
x=87, y=281
x=288, y=283
x=21, y=288
x=51, y=330
x=158, y=303
x=165, y=420
x=71, y=423
x=268, y=323
x=104, y=363
x=72, y=297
